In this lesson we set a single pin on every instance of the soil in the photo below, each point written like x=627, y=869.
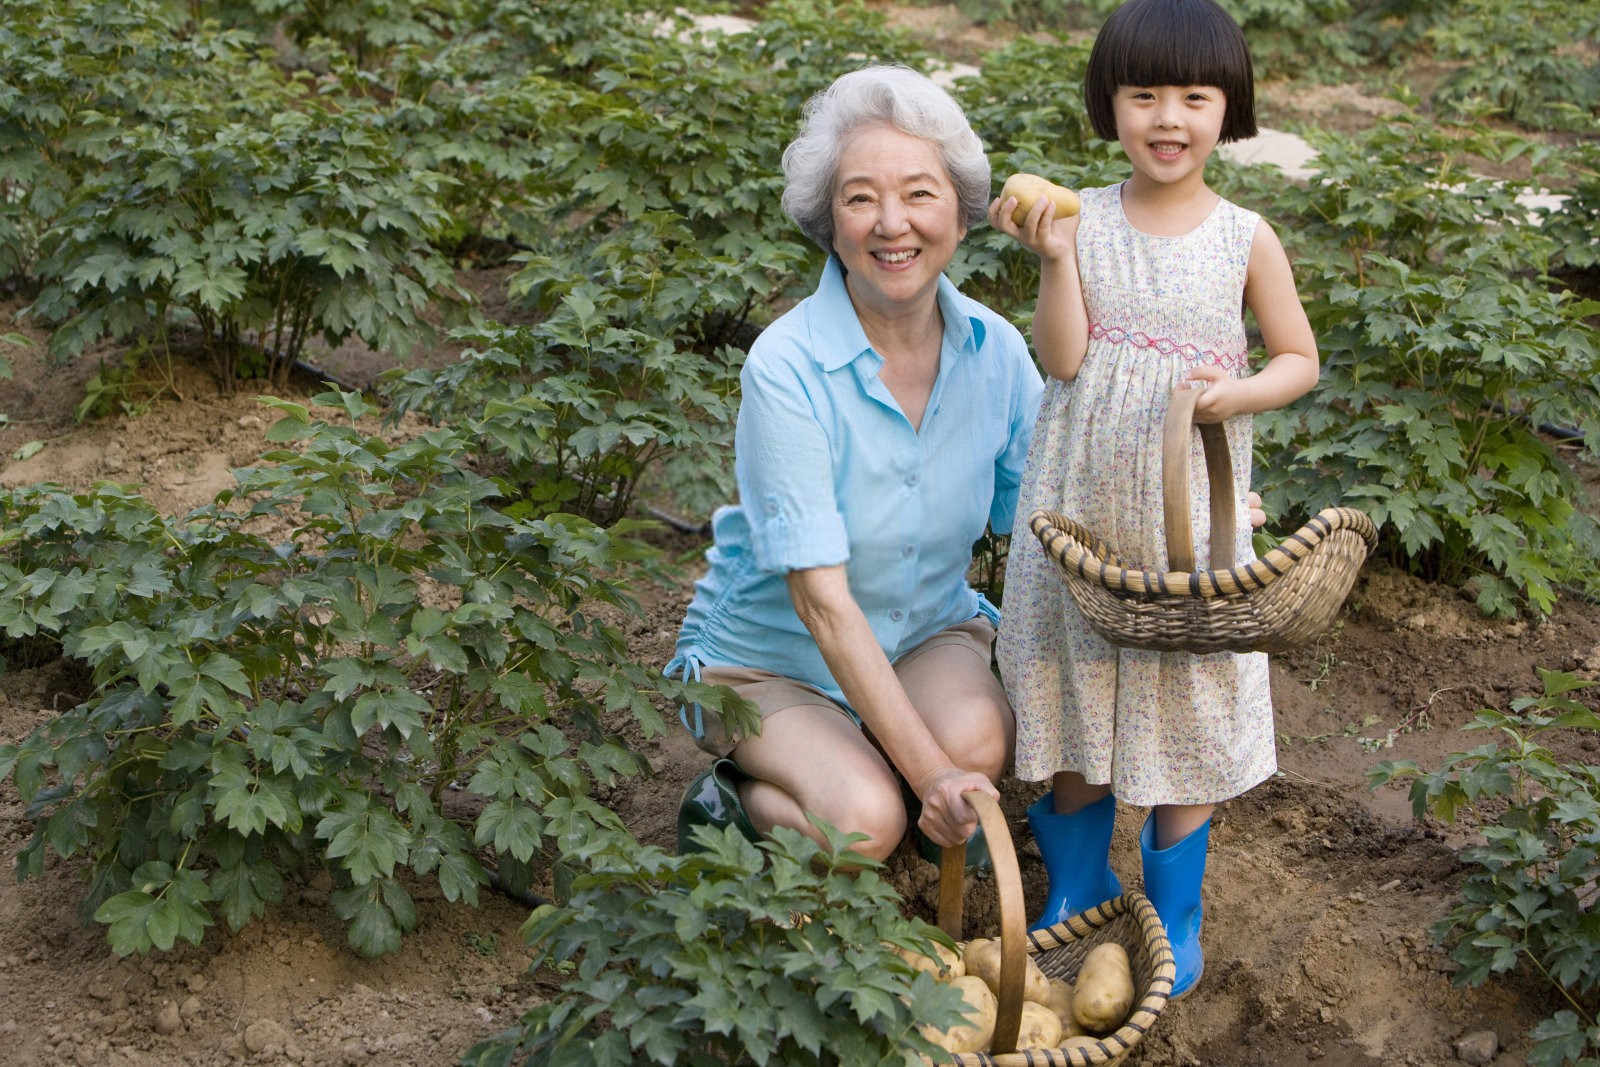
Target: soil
x=1319, y=893
x=1318, y=899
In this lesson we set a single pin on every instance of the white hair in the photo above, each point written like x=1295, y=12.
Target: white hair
x=900, y=97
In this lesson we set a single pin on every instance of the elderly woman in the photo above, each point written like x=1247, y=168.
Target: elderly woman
x=884, y=422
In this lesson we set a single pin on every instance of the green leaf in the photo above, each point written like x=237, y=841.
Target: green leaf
x=368, y=838
x=400, y=709
x=375, y=927
x=509, y=826
x=227, y=670
x=128, y=914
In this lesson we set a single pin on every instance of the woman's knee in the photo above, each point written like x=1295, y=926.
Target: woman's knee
x=981, y=739
x=876, y=812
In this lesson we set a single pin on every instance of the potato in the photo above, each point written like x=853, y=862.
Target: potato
x=982, y=958
x=1040, y=1027
x=1060, y=1003
x=945, y=963
x=1104, y=992
x=978, y=1031
x=1028, y=188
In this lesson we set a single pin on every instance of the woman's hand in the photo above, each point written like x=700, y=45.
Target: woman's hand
x=947, y=818
x=1038, y=232
x=1258, y=517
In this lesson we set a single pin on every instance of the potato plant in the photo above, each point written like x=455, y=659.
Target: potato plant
x=738, y=954
x=245, y=209
x=1575, y=223
x=70, y=74
x=1446, y=345
x=407, y=683
x=1527, y=902
x=580, y=411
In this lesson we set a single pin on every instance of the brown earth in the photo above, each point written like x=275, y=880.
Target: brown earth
x=1319, y=892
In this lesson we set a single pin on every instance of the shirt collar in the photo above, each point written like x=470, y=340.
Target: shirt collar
x=837, y=338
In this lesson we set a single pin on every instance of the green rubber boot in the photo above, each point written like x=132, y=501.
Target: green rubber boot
x=712, y=799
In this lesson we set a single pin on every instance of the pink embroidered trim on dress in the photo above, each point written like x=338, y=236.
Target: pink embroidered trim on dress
x=1166, y=346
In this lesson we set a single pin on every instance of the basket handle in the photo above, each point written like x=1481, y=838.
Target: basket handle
x=1175, y=485
x=1013, y=930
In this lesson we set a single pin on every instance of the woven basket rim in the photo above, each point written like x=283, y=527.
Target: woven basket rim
x=1079, y=552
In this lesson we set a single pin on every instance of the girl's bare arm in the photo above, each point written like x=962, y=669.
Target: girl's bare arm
x=1292, y=365
x=1060, y=320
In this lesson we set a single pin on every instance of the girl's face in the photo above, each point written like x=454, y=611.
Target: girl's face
x=896, y=218
x=1169, y=131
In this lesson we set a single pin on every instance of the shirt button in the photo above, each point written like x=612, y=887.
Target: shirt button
x=897, y=614
x=908, y=551
x=913, y=478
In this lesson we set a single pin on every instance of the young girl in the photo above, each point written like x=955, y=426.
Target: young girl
x=1139, y=294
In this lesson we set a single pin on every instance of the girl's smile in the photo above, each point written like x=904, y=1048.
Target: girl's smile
x=1169, y=131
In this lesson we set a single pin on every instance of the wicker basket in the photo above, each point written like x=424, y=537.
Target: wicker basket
x=1130, y=920
x=1284, y=599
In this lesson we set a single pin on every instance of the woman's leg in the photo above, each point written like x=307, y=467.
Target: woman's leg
x=814, y=758
x=950, y=684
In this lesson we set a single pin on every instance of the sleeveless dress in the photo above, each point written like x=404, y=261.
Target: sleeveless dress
x=1159, y=727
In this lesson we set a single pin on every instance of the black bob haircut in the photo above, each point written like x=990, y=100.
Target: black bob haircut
x=1171, y=42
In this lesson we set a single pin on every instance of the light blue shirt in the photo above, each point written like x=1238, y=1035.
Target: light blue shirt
x=830, y=471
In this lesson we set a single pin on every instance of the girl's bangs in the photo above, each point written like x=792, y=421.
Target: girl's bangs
x=1171, y=53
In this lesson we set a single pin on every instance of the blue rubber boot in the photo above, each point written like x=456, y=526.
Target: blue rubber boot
x=1075, y=848
x=1172, y=878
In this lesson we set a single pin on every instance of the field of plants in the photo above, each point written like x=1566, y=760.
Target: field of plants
x=367, y=374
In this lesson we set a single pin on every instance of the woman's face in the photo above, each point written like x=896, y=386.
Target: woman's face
x=896, y=218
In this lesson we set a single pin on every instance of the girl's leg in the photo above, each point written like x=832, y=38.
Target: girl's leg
x=814, y=758
x=1072, y=825
x=1173, y=846
x=1071, y=792
x=1174, y=822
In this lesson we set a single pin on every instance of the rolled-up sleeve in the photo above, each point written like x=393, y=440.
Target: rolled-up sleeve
x=784, y=469
x=1022, y=413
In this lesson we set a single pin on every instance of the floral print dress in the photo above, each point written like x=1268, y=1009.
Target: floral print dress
x=1159, y=727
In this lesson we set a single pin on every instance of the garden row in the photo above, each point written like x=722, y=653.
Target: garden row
x=380, y=654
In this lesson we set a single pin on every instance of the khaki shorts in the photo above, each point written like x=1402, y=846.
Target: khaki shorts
x=772, y=693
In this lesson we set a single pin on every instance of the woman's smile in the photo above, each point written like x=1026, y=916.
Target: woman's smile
x=896, y=219
x=897, y=258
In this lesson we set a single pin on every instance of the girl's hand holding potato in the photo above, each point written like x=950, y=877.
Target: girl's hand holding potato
x=1032, y=212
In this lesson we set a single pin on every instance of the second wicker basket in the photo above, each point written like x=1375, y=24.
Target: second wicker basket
x=1282, y=600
